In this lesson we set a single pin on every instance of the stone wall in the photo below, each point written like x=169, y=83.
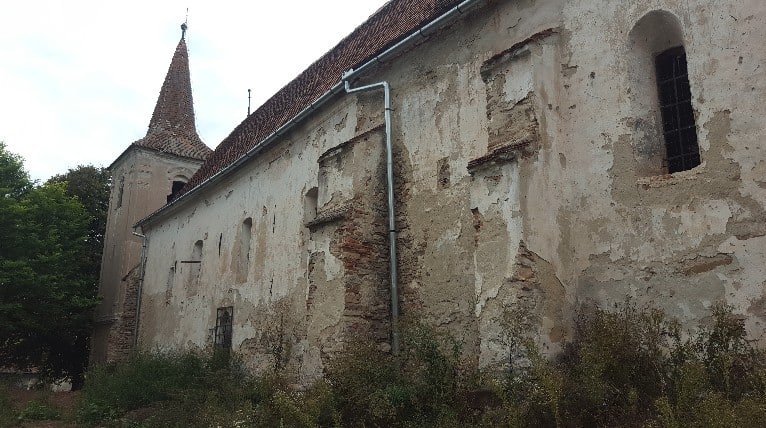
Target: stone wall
x=525, y=176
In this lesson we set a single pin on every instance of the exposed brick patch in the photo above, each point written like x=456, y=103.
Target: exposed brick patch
x=706, y=264
x=118, y=333
x=501, y=154
x=328, y=216
x=363, y=248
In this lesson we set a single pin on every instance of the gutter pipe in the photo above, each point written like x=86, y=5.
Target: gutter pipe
x=421, y=34
x=391, y=214
x=140, y=287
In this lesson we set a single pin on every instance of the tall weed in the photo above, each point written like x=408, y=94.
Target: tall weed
x=628, y=367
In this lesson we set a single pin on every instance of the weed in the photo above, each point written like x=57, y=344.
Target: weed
x=626, y=367
x=630, y=367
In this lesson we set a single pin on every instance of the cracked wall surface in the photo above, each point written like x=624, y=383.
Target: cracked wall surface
x=526, y=174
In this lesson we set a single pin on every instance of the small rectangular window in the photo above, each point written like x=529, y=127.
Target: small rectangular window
x=678, y=123
x=223, y=325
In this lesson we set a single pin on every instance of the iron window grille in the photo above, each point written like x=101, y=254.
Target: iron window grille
x=223, y=327
x=678, y=123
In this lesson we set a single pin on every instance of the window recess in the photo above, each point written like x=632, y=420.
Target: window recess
x=223, y=327
x=675, y=101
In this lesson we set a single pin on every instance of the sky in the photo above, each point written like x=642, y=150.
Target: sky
x=79, y=78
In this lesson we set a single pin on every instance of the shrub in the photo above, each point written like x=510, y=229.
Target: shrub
x=631, y=367
x=143, y=379
x=425, y=385
x=171, y=383
x=194, y=389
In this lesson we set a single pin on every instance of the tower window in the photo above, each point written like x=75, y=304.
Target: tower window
x=177, y=186
x=223, y=326
x=678, y=124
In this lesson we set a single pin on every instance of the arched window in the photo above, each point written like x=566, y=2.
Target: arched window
x=174, y=189
x=664, y=117
x=243, y=255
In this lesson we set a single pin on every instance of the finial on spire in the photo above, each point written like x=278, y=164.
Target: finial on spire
x=184, y=26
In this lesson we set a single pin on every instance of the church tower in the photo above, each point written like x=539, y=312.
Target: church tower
x=144, y=178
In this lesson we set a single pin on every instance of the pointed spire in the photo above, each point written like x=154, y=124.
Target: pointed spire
x=172, y=128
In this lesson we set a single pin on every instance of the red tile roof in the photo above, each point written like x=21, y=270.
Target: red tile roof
x=392, y=22
x=172, y=128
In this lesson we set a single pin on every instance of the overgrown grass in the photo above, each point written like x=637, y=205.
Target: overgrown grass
x=38, y=410
x=628, y=367
x=29, y=413
x=164, y=388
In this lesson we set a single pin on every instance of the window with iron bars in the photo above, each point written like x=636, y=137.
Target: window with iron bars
x=678, y=124
x=223, y=327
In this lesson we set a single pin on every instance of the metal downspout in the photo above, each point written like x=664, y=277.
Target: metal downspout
x=140, y=288
x=391, y=213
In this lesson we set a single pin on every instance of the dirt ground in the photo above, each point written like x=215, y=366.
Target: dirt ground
x=64, y=402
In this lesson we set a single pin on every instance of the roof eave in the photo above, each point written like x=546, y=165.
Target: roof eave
x=135, y=146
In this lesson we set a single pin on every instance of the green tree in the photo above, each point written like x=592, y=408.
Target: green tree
x=47, y=289
x=14, y=184
x=90, y=185
x=14, y=180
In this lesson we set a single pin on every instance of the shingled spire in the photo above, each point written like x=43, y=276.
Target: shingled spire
x=172, y=128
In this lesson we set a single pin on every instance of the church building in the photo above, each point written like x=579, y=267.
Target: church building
x=448, y=162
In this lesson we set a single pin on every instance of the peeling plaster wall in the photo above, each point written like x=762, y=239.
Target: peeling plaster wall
x=141, y=181
x=530, y=106
x=522, y=144
x=317, y=270
x=676, y=241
